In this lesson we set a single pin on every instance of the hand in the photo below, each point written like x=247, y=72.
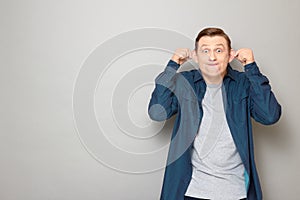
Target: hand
x=181, y=55
x=245, y=56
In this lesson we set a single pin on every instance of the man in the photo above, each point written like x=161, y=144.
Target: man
x=211, y=152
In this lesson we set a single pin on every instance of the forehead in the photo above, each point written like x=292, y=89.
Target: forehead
x=212, y=41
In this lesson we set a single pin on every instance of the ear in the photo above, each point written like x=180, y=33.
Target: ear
x=231, y=55
x=194, y=56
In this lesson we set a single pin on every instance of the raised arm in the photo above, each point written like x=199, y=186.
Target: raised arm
x=163, y=103
x=263, y=103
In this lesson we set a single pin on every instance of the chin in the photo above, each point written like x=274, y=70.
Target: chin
x=213, y=73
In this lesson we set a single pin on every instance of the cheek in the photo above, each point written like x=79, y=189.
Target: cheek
x=225, y=58
x=202, y=59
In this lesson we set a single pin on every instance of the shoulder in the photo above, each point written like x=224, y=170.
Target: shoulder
x=239, y=84
x=189, y=76
x=184, y=81
x=238, y=76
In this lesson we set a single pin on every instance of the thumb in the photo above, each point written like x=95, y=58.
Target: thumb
x=236, y=53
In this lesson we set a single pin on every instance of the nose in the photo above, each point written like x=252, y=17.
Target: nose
x=212, y=56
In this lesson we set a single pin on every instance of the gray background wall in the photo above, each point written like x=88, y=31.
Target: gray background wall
x=45, y=44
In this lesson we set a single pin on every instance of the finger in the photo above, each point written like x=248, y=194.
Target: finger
x=185, y=51
x=242, y=59
x=233, y=52
x=182, y=54
x=189, y=54
x=237, y=53
x=239, y=57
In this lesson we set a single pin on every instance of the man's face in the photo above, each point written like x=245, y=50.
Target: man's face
x=213, y=56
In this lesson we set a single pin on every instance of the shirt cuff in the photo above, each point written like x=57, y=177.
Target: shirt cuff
x=251, y=68
x=173, y=64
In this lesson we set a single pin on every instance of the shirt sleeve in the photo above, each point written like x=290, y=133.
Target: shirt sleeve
x=264, y=106
x=163, y=103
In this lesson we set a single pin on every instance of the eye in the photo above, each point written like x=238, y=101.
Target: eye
x=219, y=50
x=205, y=51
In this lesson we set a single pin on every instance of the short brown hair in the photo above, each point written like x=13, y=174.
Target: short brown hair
x=213, y=32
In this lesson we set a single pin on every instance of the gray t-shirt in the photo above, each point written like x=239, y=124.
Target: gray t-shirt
x=218, y=171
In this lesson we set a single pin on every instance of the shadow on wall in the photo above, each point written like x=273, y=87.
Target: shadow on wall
x=277, y=136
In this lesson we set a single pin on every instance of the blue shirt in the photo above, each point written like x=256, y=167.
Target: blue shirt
x=245, y=95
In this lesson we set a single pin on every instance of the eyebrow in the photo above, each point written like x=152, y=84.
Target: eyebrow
x=204, y=45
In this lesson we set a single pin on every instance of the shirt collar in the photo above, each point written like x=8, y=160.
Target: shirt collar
x=230, y=73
